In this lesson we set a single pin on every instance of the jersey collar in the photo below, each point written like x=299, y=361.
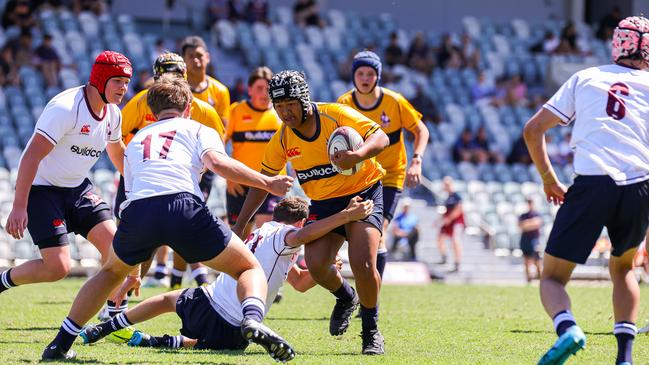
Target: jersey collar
x=376, y=105
x=316, y=113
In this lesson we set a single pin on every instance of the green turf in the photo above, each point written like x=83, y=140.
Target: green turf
x=434, y=324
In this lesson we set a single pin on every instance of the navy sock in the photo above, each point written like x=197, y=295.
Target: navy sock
x=200, y=275
x=173, y=342
x=625, y=333
x=68, y=332
x=369, y=318
x=562, y=321
x=160, y=271
x=5, y=280
x=345, y=292
x=381, y=258
x=176, y=278
x=253, y=308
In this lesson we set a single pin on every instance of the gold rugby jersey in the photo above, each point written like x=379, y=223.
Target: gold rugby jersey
x=217, y=95
x=310, y=158
x=137, y=115
x=393, y=112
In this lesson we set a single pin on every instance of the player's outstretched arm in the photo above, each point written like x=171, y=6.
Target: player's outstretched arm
x=534, y=135
x=253, y=201
x=38, y=148
x=301, y=280
x=355, y=210
x=236, y=171
x=116, y=154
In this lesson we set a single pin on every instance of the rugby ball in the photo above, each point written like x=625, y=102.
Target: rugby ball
x=344, y=139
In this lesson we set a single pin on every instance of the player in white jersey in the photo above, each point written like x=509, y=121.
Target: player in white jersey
x=610, y=137
x=165, y=206
x=211, y=315
x=53, y=196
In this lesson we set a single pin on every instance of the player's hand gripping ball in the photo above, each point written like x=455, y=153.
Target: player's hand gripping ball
x=344, y=139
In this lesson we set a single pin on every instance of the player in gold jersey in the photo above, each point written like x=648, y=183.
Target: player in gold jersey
x=302, y=140
x=137, y=115
x=394, y=113
x=252, y=123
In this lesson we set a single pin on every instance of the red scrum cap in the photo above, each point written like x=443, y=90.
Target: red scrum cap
x=107, y=65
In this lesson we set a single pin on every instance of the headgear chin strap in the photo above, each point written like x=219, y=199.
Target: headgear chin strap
x=107, y=65
x=369, y=59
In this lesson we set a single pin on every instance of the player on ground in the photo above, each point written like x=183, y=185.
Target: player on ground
x=394, y=113
x=206, y=88
x=137, y=115
x=610, y=137
x=162, y=167
x=302, y=140
x=53, y=195
x=252, y=123
x=211, y=315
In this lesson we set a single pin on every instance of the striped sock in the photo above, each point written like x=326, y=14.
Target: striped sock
x=173, y=342
x=68, y=332
x=5, y=280
x=625, y=333
x=114, y=309
x=253, y=308
x=562, y=321
x=160, y=271
x=176, y=277
x=120, y=321
x=200, y=275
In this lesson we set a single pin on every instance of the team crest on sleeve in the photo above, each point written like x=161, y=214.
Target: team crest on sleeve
x=85, y=129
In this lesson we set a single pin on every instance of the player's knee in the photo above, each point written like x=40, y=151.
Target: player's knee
x=317, y=267
x=363, y=268
x=56, y=270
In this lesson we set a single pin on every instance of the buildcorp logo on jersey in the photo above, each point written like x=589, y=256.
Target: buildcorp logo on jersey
x=85, y=151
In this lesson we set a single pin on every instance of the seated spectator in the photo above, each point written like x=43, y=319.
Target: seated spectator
x=447, y=51
x=425, y=106
x=239, y=90
x=22, y=53
x=470, y=53
x=306, y=14
x=420, y=56
x=482, y=151
x=568, y=40
x=483, y=91
x=96, y=7
x=516, y=92
x=216, y=10
x=257, y=11
x=48, y=61
x=405, y=230
x=608, y=23
x=236, y=10
x=519, y=152
x=463, y=148
x=547, y=45
x=393, y=54
x=18, y=13
x=9, y=73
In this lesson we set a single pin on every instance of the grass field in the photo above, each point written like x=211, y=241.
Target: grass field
x=434, y=324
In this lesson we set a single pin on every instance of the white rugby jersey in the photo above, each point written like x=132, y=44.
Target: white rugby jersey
x=166, y=158
x=79, y=137
x=610, y=107
x=275, y=257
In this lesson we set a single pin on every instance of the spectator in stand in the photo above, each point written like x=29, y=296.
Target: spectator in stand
x=9, y=71
x=530, y=224
x=257, y=11
x=97, y=7
x=239, y=90
x=519, y=152
x=48, y=61
x=447, y=51
x=608, y=23
x=463, y=148
x=483, y=91
x=470, y=53
x=404, y=230
x=18, y=13
x=306, y=14
x=237, y=10
x=547, y=45
x=425, y=106
x=482, y=152
x=21, y=49
x=393, y=52
x=216, y=10
x=516, y=92
x=420, y=55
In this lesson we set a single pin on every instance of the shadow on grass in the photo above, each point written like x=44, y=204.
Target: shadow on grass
x=31, y=328
x=75, y=361
x=55, y=302
x=548, y=331
x=298, y=319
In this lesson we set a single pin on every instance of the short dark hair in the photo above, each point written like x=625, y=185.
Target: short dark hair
x=260, y=73
x=193, y=41
x=291, y=209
